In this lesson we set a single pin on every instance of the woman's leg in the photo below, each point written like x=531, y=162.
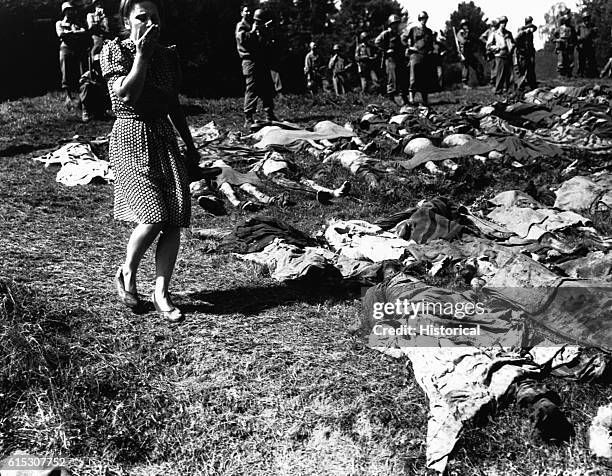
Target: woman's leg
x=141, y=239
x=165, y=259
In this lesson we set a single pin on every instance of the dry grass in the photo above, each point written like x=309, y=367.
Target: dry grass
x=261, y=379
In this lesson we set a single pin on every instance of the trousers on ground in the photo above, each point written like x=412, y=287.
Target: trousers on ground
x=258, y=85
x=503, y=69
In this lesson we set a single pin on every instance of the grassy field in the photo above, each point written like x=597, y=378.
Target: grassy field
x=262, y=378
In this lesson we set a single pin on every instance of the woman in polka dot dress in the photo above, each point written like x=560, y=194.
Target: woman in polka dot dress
x=151, y=183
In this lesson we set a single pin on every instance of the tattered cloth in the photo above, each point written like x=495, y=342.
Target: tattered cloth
x=434, y=219
x=277, y=138
x=79, y=165
x=258, y=232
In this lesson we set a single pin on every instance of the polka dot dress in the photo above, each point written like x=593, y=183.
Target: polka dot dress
x=151, y=184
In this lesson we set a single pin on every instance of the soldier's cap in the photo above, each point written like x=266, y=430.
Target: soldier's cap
x=66, y=6
x=503, y=19
x=586, y=16
x=258, y=15
x=393, y=19
x=312, y=44
x=363, y=35
x=422, y=15
x=463, y=22
x=494, y=22
x=336, y=48
x=528, y=20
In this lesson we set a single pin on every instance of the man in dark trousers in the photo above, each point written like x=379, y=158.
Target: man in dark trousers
x=365, y=58
x=252, y=42
x=338, y=65
x=313, y=69
x=74, y=49
x=420, y=45
x=525, y=55
x=587, y=64
x=501, y=44
x=390, y=44
x=489, y=55
x=565, y=39
x=468, y=49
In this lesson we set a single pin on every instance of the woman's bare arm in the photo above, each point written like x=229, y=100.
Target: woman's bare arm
x=129, y=88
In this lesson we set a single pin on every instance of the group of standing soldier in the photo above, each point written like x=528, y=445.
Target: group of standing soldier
x=568, y=38
x=81, y=38
x=411, y=61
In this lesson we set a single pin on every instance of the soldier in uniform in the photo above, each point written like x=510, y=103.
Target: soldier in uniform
x=365, y=58
x=252, y=43
x=390, y=44
x=97, y=23
x=74, y=50
x=420, y=45
x=587, y=65
x=501, y=44
x=338, y=66
x=313, y=69
x=439, y=50
x=467, y=50
x=525, y=55
x=565, y=39
x=489, y=55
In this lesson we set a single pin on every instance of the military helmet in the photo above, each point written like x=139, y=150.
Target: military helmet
x=336, y=47
x=503, y=19
x=67, y=6
x=463, y=22
x=393, y=19
x=423, y=15
x=363, y=36
x=258, y=15
x=528, y=20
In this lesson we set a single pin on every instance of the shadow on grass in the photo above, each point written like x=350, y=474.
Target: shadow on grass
x=252, y=300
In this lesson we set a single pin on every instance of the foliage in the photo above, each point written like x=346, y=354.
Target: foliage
x=601, y=16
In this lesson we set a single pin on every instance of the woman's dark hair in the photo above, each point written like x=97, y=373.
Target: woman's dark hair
x=125, y=7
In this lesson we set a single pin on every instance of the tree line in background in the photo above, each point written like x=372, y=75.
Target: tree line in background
x=204, y=34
